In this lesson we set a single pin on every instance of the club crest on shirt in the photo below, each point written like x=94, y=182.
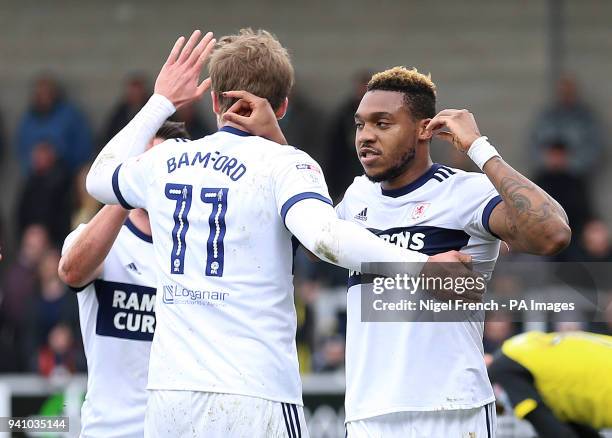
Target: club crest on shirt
x=419, y=210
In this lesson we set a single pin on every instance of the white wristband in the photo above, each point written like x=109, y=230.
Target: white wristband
x=482, y=151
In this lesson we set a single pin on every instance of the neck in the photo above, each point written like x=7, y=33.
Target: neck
x=140, y=219
x=420, y=165
x=221, y=123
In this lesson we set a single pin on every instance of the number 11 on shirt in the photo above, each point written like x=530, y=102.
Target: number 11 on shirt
x=217, y=197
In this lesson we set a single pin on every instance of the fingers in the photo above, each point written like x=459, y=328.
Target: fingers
x=244, y=95
x=174, y=53
x=464, y=258
x=207, y=51
x=240, y=107
x=191, y=43
x=450, y=112
x=439, y=121
x=201, y=51
x=236, y=119
x=445, y=136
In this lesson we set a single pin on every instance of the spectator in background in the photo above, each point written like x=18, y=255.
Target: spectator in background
x=85, y=207
x=60, y=355
x=597, y=247
x=342, y=162
x=51, y=118
x=498, y=328
x=570, y=121
x=595, y=242
x=301, y=126
x=135, y=95
x=18, y=289
x=52, y=305
x=45, y=198
x=330, y=357
x=194, y=122
x=568, y=188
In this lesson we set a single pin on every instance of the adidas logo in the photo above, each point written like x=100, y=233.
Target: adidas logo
x=132, y=267
x=362, y=215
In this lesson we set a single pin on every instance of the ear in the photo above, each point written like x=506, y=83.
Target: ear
x=282, y=109
x=215, y=101
x=424, y=135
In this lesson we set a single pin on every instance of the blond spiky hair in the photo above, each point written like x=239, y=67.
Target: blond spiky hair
x=418, y=89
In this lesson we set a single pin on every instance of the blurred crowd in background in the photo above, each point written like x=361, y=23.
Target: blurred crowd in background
x=39, y=325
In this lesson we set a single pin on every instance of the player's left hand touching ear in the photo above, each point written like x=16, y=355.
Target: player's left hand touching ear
x=457, y=127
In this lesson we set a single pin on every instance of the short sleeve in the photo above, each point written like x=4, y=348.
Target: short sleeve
x=131, y=180
x=474, y=202
x=296, y=176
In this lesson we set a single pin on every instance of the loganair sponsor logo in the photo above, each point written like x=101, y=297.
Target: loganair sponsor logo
x=175, y=294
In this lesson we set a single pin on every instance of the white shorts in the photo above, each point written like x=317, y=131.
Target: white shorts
x=463, y=423
x=213, y=415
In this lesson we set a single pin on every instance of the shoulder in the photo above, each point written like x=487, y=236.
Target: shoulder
x=361, y=182
x=288, y=155
x=361, y=187
x=469, y=180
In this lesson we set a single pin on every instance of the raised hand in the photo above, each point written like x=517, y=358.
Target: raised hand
x=460, y=123
x=179, y=78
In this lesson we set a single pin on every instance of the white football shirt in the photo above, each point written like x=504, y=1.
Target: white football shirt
x=420, y=366
x=225, y=318
x=117, y=318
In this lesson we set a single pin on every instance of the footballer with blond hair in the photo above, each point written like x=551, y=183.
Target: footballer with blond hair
x=425, y=379
x=226, y=211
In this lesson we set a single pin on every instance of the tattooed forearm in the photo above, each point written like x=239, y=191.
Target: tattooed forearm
x=519, y=194
x=531, y=218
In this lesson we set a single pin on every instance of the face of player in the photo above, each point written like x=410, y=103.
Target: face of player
x=386, y=135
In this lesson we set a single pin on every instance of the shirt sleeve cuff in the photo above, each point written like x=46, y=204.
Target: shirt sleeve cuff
x=117, y=191
x=80, y=288
x=299, y=197
x=162, y=105
x=486, y=214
